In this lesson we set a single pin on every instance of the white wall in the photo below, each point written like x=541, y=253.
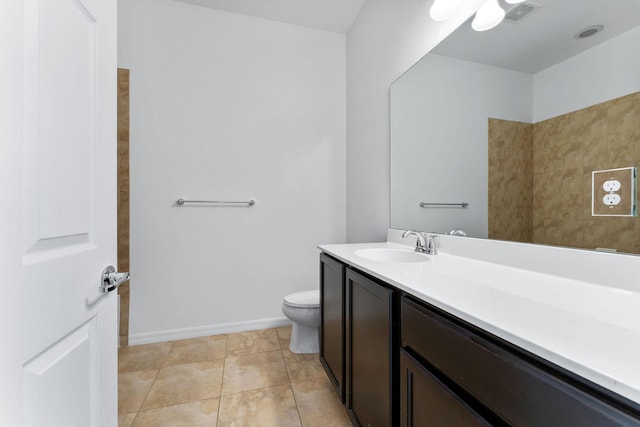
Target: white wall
x=602, y=73
x=225, y=106
x=439, y=128
x=386, y=39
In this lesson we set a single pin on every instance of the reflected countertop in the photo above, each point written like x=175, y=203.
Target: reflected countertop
x=587, y=328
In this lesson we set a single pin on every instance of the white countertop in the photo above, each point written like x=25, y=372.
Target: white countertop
x=589, y=329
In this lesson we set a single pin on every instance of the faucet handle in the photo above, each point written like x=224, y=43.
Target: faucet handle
x=431, y=247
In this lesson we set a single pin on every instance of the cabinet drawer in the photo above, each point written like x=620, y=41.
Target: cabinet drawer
x=516, y=390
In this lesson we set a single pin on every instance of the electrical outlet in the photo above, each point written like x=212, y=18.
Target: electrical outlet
x=613, y=192
x=611, y=185
x=611, y=199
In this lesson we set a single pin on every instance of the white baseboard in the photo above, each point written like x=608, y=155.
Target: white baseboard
x=203, y=331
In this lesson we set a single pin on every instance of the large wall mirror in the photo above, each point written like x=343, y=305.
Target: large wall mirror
x=498, y=132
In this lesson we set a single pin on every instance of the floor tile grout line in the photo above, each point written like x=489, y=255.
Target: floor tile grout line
x=154, y=381
x=295, y=400
x=166, y=361
x=133, y=422
x=182, y=403
x=286, y=367
x=255, y=352
x=147, y=393
x=224, y=364
x=177, y=404
x=251, y=351
x=170, y=343
x=256, y=389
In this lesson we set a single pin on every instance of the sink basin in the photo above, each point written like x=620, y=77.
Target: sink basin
x=391, y=255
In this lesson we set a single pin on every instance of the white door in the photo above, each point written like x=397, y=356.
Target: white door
x=58, y=217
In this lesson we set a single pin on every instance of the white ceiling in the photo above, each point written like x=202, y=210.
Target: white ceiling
x=328, y=15
x=545, y=37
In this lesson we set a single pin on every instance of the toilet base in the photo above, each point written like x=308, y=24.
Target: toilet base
x=304, y=339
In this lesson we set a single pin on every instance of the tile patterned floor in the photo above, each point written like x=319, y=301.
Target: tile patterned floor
x=236, y=380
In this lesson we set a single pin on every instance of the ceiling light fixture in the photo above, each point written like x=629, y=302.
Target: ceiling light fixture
x=488, y=16
x=441, y=10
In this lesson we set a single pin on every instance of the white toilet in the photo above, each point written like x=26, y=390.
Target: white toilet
x=303, y=308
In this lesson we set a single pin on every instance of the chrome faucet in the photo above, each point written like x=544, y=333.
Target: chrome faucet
x=426, y=246
x=421, y=245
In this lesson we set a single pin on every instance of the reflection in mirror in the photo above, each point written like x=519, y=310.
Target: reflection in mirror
x=514, y=120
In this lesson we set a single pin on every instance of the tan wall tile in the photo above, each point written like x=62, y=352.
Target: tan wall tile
x=567, y=149
x=563, y=152
x=123, y=197
x=510, y=180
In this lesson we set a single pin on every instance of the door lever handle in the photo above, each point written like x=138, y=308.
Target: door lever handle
x=111, y=279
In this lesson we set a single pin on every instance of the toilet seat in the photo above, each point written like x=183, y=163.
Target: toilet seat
x=305, y=299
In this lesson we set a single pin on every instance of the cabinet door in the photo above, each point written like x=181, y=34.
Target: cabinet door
x=332, y=326
x=425, y=401
x=369, y=347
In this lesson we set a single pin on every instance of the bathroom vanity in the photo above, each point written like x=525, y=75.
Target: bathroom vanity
x=450, y=340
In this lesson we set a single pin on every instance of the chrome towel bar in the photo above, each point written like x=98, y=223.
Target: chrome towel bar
x=181, y=202
x=427, y=205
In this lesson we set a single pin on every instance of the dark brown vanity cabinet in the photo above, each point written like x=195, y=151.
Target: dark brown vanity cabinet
x=399, y=361
x=332, y=321
x=492, y=378
x=356, y=342
x=370, y=351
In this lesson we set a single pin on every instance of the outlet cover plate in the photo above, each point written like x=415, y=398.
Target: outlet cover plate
x=627, y=192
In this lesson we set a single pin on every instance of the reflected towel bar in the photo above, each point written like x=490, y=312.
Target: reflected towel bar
x=426, y=205
x=181, y=202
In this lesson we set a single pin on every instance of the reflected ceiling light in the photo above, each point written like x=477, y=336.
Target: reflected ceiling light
x=514, y=1
x=488, y=16
x=441, y=10
x=589, y=31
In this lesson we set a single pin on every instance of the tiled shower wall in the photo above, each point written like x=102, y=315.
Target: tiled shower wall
x=123, y=198
x=510, y=180
x=566, y=149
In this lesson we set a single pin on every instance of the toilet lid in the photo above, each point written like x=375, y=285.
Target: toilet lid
x=303, y=299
